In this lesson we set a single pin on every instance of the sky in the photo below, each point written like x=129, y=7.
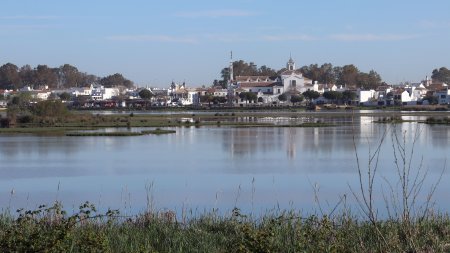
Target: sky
x=156, y=42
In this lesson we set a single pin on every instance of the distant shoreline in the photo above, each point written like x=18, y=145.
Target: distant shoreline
x=96, y=120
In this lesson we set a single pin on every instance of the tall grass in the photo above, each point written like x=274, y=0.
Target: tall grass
x=52, y=230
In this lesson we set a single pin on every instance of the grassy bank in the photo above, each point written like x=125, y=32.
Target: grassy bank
x=105, y=134
x=52, y=230
x=156, y=131
x=86, y=121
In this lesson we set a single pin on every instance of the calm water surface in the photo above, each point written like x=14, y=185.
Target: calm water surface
x=213, y=167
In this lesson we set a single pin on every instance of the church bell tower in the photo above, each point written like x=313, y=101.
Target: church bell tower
x=290, y=64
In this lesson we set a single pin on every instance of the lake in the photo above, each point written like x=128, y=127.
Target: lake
x=197, y=169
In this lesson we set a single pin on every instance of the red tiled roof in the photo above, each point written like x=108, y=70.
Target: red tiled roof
x=251, y=78
x=258, y=84
x=435, y=86
x=383, y=88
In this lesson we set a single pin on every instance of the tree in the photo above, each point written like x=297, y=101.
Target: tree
x=50, y=108
x=251, y=96
x=332, y=95
x=65, y=96
x=323, y=74
x=266, y=71
x=442, y=75
x=85, y=78
x=208, y=98
x=22, y=99
x=145, y=94
x=243, y=95
x=311, y=94
x=432, y=100
x=115, y=80
x=327, y=73
x=45, y=76
x=242, y=68
x=369, y=80
x=9, y=76
x=282, y=97
x=296, y=99
x=69, y=76
x=348, y=95
x=219, y=100
x=374, y=79
x=248, y=96
x=312, y=72
x=27, y=75
x=347, y=75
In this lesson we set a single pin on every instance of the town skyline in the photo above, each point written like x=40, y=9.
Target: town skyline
x=153, y=43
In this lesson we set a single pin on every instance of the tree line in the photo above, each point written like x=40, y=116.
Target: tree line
x=242, y=68
x=65, y=76
x=348, y=75
x=441, y=75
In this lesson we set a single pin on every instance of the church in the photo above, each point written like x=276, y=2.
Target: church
x=289, y=81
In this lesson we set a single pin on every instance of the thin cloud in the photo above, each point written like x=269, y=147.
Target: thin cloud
x=153, y=38
x=429, y=24
x=372, y=37
x=300, y=37
x=28, y=27
x=215, y=14
x=235, y=38
x=24, y=17
x=227, y=38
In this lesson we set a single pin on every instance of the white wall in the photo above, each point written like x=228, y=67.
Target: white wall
x=366, y=95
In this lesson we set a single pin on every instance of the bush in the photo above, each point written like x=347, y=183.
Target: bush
x=50, y=109
x=5, y=122
x=25, y=119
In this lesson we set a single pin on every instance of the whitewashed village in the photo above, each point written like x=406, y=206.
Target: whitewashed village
x=288, y=88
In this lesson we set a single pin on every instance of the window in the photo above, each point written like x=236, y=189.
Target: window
x=279, y=91
x=293, y=83
x=443, y=96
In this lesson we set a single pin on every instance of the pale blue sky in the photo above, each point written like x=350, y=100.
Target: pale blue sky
x=155, y=42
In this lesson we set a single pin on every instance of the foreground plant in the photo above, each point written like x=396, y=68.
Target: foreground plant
x=52, y=230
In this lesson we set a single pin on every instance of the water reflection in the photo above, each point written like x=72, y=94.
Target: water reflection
x=196, y=163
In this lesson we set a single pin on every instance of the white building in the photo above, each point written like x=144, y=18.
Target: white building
x=41, y=95
x=109, y=93
x=193, y=98
x=293, y=80
x=220, y=92
x=404, y=97
x=99, y=92
x=269, y=88
x=443, y=96
x=83, y=91
x=367, y=97
x=263, y=84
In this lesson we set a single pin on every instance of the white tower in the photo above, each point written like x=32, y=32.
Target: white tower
x=290, y=64
x=231, y=67
x=230, y=81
